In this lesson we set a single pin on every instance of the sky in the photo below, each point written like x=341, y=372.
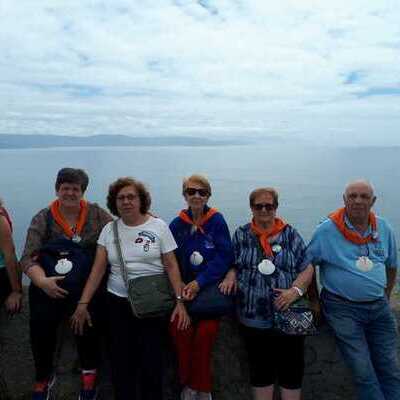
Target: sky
x=314, y=71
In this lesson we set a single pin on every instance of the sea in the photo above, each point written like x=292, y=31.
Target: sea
x=310, y=179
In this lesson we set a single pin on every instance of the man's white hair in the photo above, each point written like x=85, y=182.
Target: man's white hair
x=358, y=181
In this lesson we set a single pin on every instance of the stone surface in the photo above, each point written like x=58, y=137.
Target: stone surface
x=326, y=378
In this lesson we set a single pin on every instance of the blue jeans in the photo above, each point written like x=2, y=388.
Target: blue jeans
x=366, y=335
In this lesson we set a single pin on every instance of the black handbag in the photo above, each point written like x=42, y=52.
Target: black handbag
x=210, y=303
x=149, y=296
x=298, y=320
x=80, y=259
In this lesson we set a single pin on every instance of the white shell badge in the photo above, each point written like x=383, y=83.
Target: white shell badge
x=196, y=258
x=266, y=267
x=63, y=266
x=364, y=264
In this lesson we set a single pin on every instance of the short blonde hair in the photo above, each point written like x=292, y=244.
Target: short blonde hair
x=198, y=179
x=264, y=190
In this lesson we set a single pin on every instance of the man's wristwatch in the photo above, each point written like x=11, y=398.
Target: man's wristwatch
x=299, y=291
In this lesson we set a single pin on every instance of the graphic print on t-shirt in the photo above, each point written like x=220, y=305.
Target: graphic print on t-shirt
x=147, y=238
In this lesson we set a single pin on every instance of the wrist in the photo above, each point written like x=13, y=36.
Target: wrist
x=299, y=291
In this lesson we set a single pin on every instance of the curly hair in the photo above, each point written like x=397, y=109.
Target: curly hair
x=116, y=186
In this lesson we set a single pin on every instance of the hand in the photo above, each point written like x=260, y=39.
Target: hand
x=229, y=284
x=285, y=297
x=189, y=292
x=14, y=303
x=79, y=318
x=50, y=287
x=182, y=315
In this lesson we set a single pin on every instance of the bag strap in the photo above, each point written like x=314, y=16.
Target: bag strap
x=119, y=252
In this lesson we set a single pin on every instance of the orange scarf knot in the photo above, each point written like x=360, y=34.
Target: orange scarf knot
x=60, y=220
x=184, y=216
x=353, y=236
x=264, y=234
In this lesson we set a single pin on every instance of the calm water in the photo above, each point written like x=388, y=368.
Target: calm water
x=310, y=180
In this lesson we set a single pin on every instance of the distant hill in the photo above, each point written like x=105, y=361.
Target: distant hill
x=45, y=141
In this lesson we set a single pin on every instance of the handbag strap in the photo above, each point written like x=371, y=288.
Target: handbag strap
x=119, y=252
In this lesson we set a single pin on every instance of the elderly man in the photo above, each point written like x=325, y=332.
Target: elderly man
x=357, y=255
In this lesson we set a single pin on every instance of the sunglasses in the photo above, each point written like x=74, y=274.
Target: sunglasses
x=261, y=206
x=193, y=191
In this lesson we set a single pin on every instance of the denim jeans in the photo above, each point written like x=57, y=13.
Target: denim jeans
x=366, y=335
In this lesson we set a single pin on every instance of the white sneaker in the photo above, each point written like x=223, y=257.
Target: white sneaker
x=189, y=394
x=204, y=396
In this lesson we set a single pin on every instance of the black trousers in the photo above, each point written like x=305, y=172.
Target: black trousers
x=137, y=352
x=274, y=357
x=46, y=315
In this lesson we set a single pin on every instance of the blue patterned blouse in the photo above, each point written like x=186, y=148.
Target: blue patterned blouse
x=255, y=294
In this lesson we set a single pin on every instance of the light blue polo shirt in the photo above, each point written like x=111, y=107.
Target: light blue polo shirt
x=337, y=258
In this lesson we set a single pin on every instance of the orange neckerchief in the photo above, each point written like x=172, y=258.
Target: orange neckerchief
x=265, y=234
x=355, y=237
x=5, y=214
x=183, y=215
x=59, y=218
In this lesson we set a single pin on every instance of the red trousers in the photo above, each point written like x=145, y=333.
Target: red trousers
x=194, y=346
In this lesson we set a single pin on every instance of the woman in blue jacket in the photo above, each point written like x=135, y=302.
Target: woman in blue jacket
x=205, y=254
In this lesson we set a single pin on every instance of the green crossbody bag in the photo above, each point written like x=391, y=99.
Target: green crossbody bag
x=149, y=296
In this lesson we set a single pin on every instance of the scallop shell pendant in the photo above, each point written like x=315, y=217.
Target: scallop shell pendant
x=63, y=266
x=196, y=258
x=266, y=267
x=364, y=264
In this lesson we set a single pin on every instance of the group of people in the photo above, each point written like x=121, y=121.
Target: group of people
x=72, y=259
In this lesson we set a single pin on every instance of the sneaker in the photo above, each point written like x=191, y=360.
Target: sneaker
x=43, y=390
x=204, y=396
x=189, y=394
x=88, y=386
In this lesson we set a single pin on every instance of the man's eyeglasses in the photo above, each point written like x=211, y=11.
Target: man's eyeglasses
x=193, y=191
x=261, y=206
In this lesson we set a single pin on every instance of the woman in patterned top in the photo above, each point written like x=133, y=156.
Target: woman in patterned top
x=270, y=274
x=58, y=255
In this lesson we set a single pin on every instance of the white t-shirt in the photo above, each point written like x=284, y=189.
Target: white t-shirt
x=142, y=247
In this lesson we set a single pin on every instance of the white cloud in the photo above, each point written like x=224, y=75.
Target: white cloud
x=201, y=67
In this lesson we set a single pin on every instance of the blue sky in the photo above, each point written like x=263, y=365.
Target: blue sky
x=317, y=71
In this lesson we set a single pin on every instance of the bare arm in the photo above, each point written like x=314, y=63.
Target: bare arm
x=174, y=275
x=13, y=302
x=81, y=314
x=391, y=274
x=287, y=296
x=96, y=275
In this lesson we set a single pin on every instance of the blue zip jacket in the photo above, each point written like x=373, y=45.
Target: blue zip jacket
x=214, y=245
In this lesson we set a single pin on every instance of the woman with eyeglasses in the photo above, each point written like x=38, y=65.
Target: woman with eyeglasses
x=204, y=254
x=137, y=345
x=270, y=273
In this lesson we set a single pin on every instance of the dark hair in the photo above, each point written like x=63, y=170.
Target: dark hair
x=120, y=183
x=264, y=190
x=72, y=175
